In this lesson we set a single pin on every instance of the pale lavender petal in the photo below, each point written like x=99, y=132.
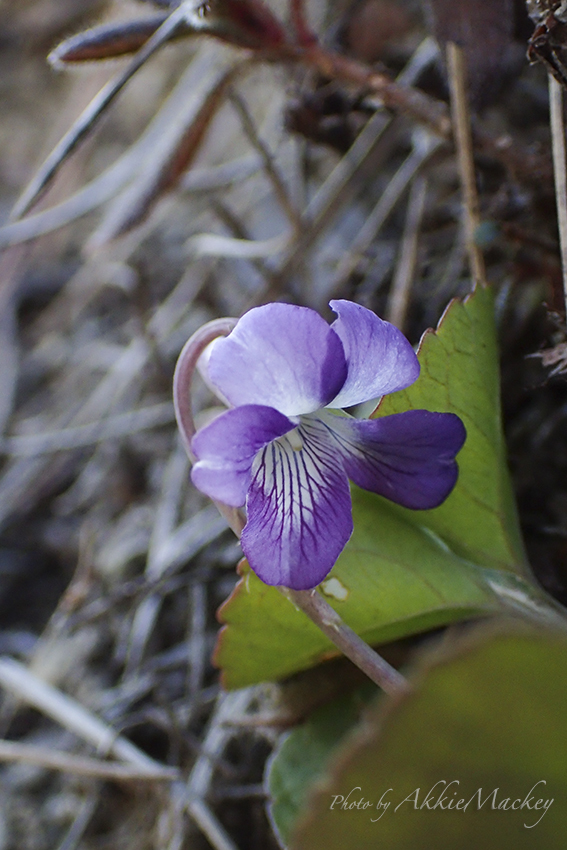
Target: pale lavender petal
x=299, y=510
x=379, y=358
x=407, y=457
x=279, y=355
x=225, y=450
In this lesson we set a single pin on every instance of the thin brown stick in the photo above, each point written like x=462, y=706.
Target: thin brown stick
x=413, y=102
x=270, y=167
x=465, y=158
x=298, y=20
x=399, y=296
x=533, y=168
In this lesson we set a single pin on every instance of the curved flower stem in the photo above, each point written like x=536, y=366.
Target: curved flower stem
x=360, y=653
x=184, y=371
x=309, y=601
x=182, y=380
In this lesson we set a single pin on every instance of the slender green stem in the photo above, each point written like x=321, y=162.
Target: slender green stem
x=331, y=624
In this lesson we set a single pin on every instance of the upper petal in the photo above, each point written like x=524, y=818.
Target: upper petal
x=379, y=358
x=225, y=450
x=407, y=457
x=279, y=355
x=299, y=511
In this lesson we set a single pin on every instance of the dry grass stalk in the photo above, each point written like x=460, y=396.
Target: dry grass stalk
x=465, y=158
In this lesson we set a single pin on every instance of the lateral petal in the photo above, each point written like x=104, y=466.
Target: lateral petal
x=299, y=510
x=379, y=358
x=225, y=450
x=407, y=457
x=279, y=355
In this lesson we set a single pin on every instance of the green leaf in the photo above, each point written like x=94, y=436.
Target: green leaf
x=403, y=571
x=459, y=373
x=491, y=718
x=386, y=585
x=304, y=753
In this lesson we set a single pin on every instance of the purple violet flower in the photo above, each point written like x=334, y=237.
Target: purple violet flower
x=283, y=452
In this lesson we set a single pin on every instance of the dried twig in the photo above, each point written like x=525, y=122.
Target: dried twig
x=80, y=823
x=270, y=167
x=165, y=519
x=231, y=705
x=93, y=112
x=196, y=639
x=383, y=209
x=372, y=145
x=410, y=101
x=463, y=139
x=11, y=751
x=400, y=291
x=65, y=710
x=112, y=427
x=21, y=478
x=175, y=151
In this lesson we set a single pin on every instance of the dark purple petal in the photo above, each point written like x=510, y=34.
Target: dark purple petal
x=379, y=358
x=225, y=450
x=407, y=457
x=299, y=510
x=279, y=355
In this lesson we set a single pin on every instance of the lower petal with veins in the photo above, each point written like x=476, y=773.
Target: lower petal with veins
x=299, y=511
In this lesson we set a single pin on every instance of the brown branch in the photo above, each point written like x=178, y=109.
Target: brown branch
x=531, y=167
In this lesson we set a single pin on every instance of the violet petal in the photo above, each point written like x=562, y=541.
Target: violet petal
x=407, y=457
x=379, y=358
x=299, y=510
x=279, y=355
x=225, y=450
